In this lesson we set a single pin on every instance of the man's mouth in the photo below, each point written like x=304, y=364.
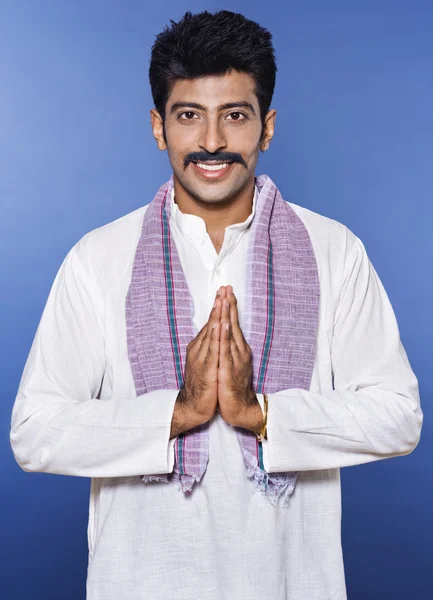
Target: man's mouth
x=212, y=165
x=212, y=170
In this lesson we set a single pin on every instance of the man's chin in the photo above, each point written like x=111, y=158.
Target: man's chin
x=212, y=192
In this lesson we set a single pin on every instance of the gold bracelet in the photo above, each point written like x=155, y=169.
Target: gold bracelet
x=263, y=432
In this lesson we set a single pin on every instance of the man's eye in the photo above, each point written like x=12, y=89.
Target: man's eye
x=189, y=113
x=238, y=116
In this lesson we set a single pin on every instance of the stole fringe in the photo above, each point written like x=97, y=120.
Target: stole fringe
x=270, y=487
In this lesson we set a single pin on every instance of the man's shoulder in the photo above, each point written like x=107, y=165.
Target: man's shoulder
x=118, y=230
x=323, y=230
x=112, y=246
x=332, y=241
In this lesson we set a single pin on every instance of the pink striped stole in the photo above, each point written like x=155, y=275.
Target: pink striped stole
x=280, y=320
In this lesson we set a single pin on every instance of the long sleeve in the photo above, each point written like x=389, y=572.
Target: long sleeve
x=373, y=411
x=59, y=425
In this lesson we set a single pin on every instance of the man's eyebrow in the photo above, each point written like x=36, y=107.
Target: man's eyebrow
x=241, y=104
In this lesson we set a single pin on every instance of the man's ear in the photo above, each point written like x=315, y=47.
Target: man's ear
x=158, y=128
x=268, y=130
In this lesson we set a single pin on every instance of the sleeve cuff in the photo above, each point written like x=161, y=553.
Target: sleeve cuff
x=171, y=442
x=161, y=459
x=265, y=442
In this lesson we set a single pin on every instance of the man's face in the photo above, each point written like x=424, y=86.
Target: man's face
x=213, y=121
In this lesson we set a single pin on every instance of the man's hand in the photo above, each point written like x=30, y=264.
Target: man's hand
x=197, y=400
x=237, y=400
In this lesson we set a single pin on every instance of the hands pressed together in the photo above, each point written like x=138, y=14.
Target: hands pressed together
x=218, y=369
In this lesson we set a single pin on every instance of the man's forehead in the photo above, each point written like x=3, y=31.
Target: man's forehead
x=213, y=91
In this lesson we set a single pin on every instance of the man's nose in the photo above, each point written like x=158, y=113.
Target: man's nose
x=213, y=138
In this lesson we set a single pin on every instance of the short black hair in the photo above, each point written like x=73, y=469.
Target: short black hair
x=212, y=44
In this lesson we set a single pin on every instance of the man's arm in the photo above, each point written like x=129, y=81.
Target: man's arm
x=374, y=411
x=58, y=423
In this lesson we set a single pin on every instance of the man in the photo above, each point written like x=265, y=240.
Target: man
x=215, y=343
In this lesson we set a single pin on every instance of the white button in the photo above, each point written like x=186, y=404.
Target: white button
x=203, y=242
x=218, y=271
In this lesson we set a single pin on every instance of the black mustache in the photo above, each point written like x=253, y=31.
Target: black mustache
x=218, y=156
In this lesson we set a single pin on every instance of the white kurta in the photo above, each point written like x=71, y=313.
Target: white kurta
x=76, y=413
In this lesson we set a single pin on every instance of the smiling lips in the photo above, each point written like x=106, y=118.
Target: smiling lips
x=212, y=167
x=212, y=170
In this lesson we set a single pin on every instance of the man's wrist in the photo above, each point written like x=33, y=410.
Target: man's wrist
x=252, y=418
x=184, y=417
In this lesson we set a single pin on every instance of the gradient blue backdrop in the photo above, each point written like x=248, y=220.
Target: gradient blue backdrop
x=353, y=141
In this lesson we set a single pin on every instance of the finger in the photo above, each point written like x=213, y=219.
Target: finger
x=214, y=318
x=232, y=342
x=221, y=292
x=200, y=335
x=234, y=321
x=217, y=295
x=212, y=357
x=225, y=355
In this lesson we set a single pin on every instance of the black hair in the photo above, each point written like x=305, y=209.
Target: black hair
x=212, y=44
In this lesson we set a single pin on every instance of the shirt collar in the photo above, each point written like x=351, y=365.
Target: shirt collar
x=195, y=227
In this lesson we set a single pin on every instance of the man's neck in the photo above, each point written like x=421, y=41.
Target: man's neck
x=217, y=216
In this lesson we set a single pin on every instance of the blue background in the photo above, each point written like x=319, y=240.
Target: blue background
x=354, y=141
